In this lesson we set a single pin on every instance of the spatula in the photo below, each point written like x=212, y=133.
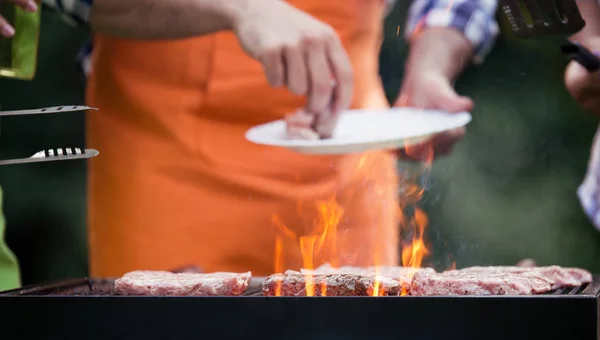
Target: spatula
x=541, y=18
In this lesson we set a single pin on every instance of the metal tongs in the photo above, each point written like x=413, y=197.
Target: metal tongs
x=540, y=18
x=58, y=154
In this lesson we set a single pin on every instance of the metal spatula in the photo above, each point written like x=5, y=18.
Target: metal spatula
x=538, y=18
x=541, y=18
x=59, y=154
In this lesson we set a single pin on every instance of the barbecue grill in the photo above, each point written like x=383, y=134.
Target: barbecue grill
x=88, y=309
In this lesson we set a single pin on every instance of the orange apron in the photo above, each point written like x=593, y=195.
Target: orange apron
x=176, y=183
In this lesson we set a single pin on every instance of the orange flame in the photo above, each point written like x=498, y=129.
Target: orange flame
x=307, y=249
x=321, y=238
x=413, y=254
x=330, y=215
x=319, y=244
x=278, y=262
x=415, y=250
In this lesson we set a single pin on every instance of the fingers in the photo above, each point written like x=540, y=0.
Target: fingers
x=577, y=78
x=321, y=85
x=296, y=70
x=583, y=86
x=332, y=85
x=28, y=5
x=274, y=69
x=436, y=94
x=342, y=73
x=6, y=29
x=403, y=100
x=325, y=77
x=300, y=118
x=294, y=132
x=299, y=126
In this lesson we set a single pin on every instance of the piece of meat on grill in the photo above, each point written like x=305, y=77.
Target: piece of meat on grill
x=163, y=283
x=476, y=283
x=403, y=274
x=293, y=283
x=557, y=276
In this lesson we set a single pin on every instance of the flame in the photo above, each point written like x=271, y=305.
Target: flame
x=414, y=224
x=324, y=289
x=278, y=262
x=283, y=228
x=413, y=253
x=330, y=215
x=318, y=243
x=321, y=238
x=307, y=248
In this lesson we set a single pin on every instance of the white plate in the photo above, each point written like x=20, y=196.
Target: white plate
x=363, y=130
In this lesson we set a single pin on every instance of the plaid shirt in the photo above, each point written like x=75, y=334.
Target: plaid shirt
x=474, y=18
x=589, y=191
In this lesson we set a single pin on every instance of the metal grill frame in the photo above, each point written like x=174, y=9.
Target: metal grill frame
x=82, y=309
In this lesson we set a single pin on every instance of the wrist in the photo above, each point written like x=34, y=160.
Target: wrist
x=231, y=11
x=443, y=51
x=234, y=11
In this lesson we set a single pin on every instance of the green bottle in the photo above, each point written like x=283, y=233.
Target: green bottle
x=18, y=55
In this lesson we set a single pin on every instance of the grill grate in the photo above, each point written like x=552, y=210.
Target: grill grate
x=91, y=287
x=569, y=290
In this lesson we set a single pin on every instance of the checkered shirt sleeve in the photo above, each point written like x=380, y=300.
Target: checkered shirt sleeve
x=474, y=18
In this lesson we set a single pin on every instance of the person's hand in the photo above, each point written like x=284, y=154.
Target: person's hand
x=6, y=29
x=583, y=85
x=437, y=56
x=301, y=53
x=429, y=90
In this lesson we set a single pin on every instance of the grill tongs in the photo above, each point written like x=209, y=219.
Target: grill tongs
x=58, y=154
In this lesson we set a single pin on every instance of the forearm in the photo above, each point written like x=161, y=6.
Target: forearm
x=442, y=49
x=590, y=10
x=453, y=32
x=165, y=19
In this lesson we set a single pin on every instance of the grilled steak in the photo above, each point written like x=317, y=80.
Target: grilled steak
x=556, y=276
x=294, y=284
x=476, y=283
x=402, y=274
x=343, y=281
x=182, y=284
